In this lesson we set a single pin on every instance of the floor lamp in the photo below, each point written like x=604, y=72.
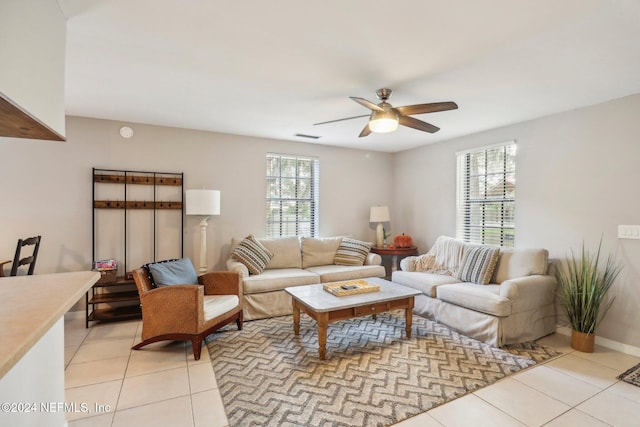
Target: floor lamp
x=204, y=203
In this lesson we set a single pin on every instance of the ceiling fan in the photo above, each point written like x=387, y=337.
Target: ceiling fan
x=385, y=118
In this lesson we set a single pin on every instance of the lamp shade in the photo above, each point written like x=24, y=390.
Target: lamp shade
x=383, y=121
x=379, y=214
x=203, y=202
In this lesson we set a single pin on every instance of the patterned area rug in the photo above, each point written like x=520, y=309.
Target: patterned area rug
x=631, y=376
x=372, y=376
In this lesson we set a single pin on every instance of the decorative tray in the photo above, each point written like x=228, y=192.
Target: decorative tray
x=350, y=287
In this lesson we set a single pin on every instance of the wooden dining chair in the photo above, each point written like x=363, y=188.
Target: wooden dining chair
x=30, y=260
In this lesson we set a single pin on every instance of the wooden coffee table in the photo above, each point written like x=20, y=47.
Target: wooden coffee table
x=326, y=308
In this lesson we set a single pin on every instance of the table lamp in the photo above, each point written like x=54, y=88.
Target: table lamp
x=204, y=203
x=379, y=214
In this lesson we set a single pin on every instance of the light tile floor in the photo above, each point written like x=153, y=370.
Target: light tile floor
x=163, y=386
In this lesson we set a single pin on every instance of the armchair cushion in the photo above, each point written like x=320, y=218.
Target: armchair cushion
x=217, y=305
x=174, y=272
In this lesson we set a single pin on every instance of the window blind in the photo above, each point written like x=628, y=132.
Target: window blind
x=292, y=195
x=486, y=195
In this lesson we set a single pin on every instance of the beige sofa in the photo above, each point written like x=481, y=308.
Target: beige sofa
x=516, y=306
x=296, y=261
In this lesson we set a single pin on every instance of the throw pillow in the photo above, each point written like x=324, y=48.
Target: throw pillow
x=351, y=252
x=252, y=254
x=173, y=272
x=478, y=263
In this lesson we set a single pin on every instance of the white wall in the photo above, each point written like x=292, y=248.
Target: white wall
x=577, y=178
x=54, y=200
x=33, y=35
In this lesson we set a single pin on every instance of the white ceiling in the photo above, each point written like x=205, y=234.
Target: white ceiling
x=273, y=68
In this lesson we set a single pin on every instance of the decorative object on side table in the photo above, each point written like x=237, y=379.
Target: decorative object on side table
x=584, y=284
x=384, y=237
x=203, y=203
x=404, y=241
x=379, y=214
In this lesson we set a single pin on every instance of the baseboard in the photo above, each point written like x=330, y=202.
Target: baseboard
x=605, y=342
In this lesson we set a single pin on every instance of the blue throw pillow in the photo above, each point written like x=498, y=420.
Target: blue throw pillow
x=176, y=272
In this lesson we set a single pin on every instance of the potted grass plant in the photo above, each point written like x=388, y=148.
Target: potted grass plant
x=584, y=285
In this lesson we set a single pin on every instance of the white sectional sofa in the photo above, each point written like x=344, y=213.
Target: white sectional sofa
x=517, y=305
x=296, y=261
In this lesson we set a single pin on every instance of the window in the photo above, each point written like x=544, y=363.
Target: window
x=292, y=195
x=486, y=195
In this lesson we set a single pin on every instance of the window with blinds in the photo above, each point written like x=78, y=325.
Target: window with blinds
x=292, y=195
x=486, y=195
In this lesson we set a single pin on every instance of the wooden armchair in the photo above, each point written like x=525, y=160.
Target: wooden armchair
x=188, y=312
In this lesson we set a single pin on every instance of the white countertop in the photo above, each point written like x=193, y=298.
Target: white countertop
x=30, y=305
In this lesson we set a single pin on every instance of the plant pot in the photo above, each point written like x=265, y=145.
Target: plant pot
x=582, y=342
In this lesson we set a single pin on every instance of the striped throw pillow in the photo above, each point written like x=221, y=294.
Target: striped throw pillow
x=351, y=252
x=478, y=263
x=252, y=254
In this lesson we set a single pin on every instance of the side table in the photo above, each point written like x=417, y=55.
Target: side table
x=391, y=257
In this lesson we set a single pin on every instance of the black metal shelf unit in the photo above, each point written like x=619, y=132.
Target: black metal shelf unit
x=114, y=296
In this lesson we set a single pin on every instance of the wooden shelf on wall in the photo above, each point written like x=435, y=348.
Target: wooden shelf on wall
x=137, y=179
x=16, y=122
x=132, y=204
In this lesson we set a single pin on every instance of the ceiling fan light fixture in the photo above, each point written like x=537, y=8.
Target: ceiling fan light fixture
x=383, y=121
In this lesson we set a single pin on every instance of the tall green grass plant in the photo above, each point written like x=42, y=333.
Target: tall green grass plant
x=584, y=284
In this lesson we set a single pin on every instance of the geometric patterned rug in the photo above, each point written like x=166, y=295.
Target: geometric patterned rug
x=631, y=376
x=372, y=375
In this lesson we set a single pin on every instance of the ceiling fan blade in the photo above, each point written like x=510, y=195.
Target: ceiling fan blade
x=339, y=120
x=368, y=104
x=365, y=132
x=417, y=124
x=426, y=108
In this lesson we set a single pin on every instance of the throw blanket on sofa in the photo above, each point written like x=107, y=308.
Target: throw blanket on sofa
x=443, y=257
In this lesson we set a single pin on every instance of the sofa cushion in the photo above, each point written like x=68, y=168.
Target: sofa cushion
x=285, y=250
x=319, y=251
x=485, y=299
x=252, y=254
x=278, y=279
x=513, y=263
x=336, y=273
x=351, y=252
x=173, y=272
x=424, y=282
x=478, y=263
